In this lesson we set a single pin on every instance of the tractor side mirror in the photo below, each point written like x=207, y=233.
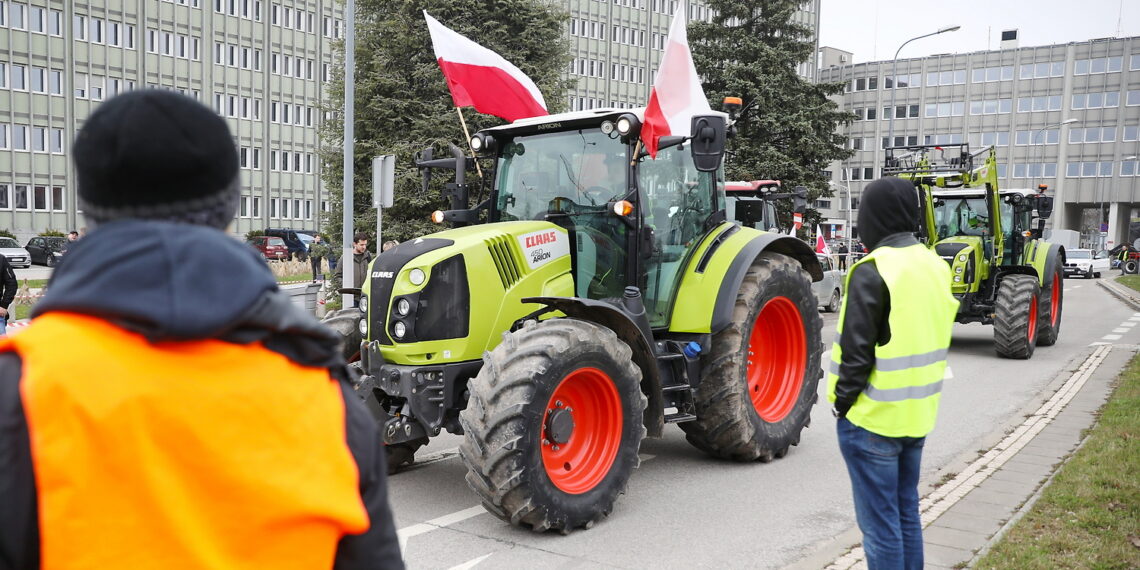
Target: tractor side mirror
x=1044, y=207
x=709, y=134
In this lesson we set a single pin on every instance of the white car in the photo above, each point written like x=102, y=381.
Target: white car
x=1085, y=262
x=17, y=256
x=829, y=290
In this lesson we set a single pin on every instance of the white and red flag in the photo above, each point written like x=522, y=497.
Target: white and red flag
x=481, y=78
x=677, y=94
x=820, y=243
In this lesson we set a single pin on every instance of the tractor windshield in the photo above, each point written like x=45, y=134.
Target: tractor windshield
x=954, y=216
x=585, y=166
x=677, y=200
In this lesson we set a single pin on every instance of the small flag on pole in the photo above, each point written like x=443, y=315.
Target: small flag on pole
x=820, y=243
x=677, y=94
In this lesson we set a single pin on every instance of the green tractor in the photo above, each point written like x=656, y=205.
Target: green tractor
x=593, y=297
x=1004, y=273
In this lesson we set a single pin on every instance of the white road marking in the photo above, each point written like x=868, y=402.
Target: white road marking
x=438, y=456
x=949, y=374
x=1120, y=330
x=471, y=563
x=435, y=524
x=1111, y=337
x=1128, y=324
x=1097, y=343
x=645, y=457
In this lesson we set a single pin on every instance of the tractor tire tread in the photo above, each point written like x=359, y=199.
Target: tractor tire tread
x=1011, y=317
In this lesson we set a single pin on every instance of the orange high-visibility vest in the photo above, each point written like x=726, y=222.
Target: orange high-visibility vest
x=201, y=454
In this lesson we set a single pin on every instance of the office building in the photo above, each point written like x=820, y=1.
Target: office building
x=616, y=46
x=1063, y=115
x=259, y=63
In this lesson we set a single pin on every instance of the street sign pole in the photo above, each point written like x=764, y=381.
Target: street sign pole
x=383, y=190
x=349, y=278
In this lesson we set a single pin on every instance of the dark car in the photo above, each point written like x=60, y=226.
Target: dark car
x=46, y=250
x=297, y=247
x=272, y=248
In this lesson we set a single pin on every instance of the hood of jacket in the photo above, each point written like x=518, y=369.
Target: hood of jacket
x=889, y=206
x=178, y=282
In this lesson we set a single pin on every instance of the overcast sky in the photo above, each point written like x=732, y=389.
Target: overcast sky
x=874, y=29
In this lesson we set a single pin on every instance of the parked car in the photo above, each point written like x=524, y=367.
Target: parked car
x=17, y=256
x=46, y=250
x=272, y=248
x=1086, y=262
x=297, y=248
x=829, y=290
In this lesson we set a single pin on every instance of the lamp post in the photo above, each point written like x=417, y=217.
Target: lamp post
x=895, y=77
x=1038, y=152
x=847, y=228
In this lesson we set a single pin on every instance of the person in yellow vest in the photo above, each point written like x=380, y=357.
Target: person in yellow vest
x=168, y=407
x=886, y=370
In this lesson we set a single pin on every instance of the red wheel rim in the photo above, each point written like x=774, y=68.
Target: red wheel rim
x=1032, y=319
x=777, y=359
x=577, y=464
x=1055, y=300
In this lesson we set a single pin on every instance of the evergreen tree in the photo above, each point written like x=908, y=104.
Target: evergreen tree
x=751, y=50
x=403, y=104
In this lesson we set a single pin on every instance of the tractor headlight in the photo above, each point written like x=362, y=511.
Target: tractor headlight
x=417, y=276
x=362, y=326
x=403, y=306
x=962, y=258
x=399, y=329
x=957, y=278
x=363, y=306
x=482, y=143
x=607, y=127
x=958, y=270
x=476, y=143
x=628, y=124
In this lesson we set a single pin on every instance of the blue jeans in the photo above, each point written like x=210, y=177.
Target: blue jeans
x=884, y=481
x=3, y=326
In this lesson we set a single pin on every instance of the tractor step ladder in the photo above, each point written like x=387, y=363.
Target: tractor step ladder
x=678, y=395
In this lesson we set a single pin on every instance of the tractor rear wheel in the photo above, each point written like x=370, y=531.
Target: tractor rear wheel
x=554, y=424
x=759, y=381
x=1015, y=316
x=1052, y=301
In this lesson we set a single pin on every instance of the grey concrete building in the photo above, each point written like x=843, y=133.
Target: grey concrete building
x=617, y=44
x=259, y=63
x=1063, y=115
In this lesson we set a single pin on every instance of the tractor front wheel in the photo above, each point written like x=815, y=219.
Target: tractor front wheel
x=1015, y=316
x=554, y=424
x=1052, y=301
x=758, y=382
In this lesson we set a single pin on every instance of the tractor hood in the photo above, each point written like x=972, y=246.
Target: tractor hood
x=448, y=295
x=964, y=255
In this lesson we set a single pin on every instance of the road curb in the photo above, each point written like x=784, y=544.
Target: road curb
x=1129, y=296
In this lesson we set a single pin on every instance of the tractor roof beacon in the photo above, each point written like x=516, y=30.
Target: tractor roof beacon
x=1004, y=273
x=593, y=297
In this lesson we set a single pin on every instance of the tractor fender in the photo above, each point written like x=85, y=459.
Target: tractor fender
x=734, y=277
x=627, y=329
x=1054, y=258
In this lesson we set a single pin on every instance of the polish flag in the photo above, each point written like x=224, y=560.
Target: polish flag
x=481, y=78
x=820, y=243
x=677, y=94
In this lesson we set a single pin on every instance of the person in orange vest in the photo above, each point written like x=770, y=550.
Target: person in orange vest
x=168, y=407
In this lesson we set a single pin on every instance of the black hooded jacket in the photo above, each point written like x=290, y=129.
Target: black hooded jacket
x=171, y=281
x=888, y=217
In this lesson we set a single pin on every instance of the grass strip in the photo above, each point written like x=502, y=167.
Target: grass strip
x=1089, y=515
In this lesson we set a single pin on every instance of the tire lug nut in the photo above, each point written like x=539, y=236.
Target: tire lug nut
x=555, y=448
x=558, y=403
x=545, y=441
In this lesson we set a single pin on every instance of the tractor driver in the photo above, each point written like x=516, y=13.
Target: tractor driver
x=601, y=178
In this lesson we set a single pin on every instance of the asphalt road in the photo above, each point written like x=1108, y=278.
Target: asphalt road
x=684, y=509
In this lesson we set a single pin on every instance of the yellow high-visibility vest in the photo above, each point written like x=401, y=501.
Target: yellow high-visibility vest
x=905, y=386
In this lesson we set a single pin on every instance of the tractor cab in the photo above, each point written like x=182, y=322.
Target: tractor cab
x=754, y=204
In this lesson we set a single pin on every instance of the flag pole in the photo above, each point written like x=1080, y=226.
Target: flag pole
x=467, y=135
x=636, y=151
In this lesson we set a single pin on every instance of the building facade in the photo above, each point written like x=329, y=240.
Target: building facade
x=616, y=46
x=1063, y=115
x=259, y=63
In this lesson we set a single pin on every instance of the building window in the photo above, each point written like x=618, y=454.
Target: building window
x=21, y=201
x=5, y=191
x=1040, y=137
x=991, y=107
x=1041, y=103
x=57, y=203
x=954, y=77
x=1096, y=100
x=1042, y=70
x=1097, y=65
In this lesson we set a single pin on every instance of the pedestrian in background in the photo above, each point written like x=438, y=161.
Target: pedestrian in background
x=843, y=255
x=317, y=252
x=219, y=428
x=72, y=236
x=389, y=245
x=361, y=257
x=8, y=287
x=885, y=375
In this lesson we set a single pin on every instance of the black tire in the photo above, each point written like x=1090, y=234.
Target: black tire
x=729, y=425
x=50, y=261
x=1096, y=275
x=1014, y=337
x=835, y=302
x=510, y=446
x=1049, y=324
x=1129, y=267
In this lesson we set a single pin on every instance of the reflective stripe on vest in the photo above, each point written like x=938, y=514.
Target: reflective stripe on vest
x=198, y=454
x=905, y=384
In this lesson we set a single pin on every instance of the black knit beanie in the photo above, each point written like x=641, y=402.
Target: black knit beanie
x=154, y=154
x=889, y=206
